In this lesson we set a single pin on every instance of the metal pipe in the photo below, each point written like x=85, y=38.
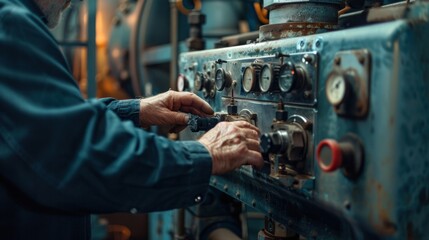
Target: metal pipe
x=91, y=51
x=174, y=43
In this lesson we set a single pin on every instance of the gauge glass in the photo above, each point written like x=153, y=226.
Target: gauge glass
x=287, y=78
x=266, y=79
x=182, y=83
x=336, y=88
x=220, y=79
x=198, y=82
x=248, y=80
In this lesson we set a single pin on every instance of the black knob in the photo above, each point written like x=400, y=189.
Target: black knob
x=197, y=123
x=274, y=142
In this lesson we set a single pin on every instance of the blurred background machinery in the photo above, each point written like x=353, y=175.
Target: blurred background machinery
x=338, y=88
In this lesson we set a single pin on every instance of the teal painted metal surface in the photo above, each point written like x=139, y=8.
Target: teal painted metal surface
x=390, y=198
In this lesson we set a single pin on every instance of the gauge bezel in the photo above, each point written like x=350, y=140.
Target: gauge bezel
x=331, y=80
x=182, y=83
x=271, y=71
x=199, y=77
x=253, y=79
x=223, y=80
x=292, y=69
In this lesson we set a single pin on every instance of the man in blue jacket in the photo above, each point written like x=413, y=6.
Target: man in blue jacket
x=62, y=158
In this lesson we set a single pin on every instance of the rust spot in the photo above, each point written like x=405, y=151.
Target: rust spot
x=292, y=29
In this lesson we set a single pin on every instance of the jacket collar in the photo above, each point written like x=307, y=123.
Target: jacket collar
x=32, y=7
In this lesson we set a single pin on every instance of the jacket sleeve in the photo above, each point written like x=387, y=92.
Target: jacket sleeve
x=69, y=154
x=128, y=109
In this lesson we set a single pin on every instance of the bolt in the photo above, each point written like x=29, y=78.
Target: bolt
x=337, y=60
x=307, y=59
x=225, y=188
x=362, y=60
x=254, y=203
x=237, y=194
x=318, y=43
x=302, y=43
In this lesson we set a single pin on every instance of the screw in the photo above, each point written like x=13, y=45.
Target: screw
x=307, y=58
x=254, y=203
x=317, y=44
x=362, y=60
x=225, y=188
x=302, y=43
x=237, y=194
x=337, y=60
x=220, y=61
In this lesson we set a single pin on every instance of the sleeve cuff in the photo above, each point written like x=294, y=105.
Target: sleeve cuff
x=125, y=109
x=202, y=160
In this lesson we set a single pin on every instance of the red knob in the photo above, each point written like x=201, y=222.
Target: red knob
x=329, y=155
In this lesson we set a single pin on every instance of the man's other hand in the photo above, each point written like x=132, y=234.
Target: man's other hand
x=170, y=109
x=232, y=144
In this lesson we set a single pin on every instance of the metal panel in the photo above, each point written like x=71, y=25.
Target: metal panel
x=390, y=198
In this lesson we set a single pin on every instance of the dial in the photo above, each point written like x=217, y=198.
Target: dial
x=336, y=89
x=199, y=82
x=222, y=79
x=249, y=79
x=267, y=78
x=182, y=83
x=287, y=77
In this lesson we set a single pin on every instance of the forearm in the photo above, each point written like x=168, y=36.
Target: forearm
x=125, y=109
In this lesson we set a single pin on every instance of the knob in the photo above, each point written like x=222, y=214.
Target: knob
x=347, y=154
x=329, y=155
x=274, y=142
x=197, y=123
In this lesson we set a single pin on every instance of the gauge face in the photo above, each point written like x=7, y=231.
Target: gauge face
x=198, y=82
x=248, y=81
x=266, y=79
x=287, y=77
x=336, y=89
x=182, y=83
x=220, y=79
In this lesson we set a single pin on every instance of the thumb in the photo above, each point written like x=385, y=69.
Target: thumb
x=179, y=118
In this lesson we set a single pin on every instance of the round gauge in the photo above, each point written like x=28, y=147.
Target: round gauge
x=182, y=83
x=336, y=89
x=287, y=77
x=249, y=79
x=222, y=79
x=198, y=82
x=267, y=78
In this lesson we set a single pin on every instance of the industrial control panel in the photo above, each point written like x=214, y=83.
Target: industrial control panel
x=344, y=123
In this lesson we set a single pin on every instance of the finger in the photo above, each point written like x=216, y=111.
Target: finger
x=178, y=118
x=250, y=133
x=188, y=109
x=253, y=145
x=255, y=159
x=247, y=125
x=190, y=100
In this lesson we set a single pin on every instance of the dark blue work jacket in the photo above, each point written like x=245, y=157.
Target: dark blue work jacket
x=62, y=158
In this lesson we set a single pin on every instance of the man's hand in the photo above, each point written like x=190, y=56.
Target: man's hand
x=232, y=144
x=170, y=110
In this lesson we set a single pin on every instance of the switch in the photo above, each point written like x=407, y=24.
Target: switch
x=346, y=154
